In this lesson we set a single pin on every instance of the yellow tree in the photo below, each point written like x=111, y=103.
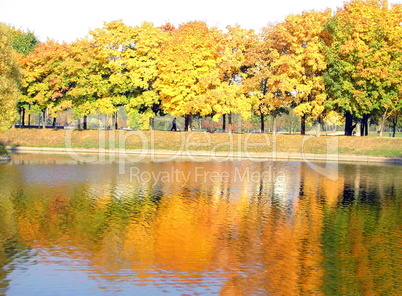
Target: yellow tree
x=9, y=80
x=188, y=69
x=111, y=43
x=298, y=44
x=86, y=77
x=228, y=97
x=270, y=84
x=124, y=67
x=139, y=67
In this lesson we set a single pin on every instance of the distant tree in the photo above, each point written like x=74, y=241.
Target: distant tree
x=9, y=80
x=23, y=42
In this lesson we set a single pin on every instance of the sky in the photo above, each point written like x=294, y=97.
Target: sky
x=68, y=20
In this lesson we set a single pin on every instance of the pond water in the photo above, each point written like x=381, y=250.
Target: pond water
x=198, y=228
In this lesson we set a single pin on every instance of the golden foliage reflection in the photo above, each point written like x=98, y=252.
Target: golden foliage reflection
x=299, y=235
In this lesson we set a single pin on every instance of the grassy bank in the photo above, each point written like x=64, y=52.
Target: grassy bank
x=164, y=140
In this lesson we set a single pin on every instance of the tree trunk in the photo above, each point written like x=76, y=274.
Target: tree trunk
x=364, y=125
x=113, y=127
x=262, y=122
x=224, y=122
x=230, y=123
x=382, y=123
x=22, y=117
x=318, y=133
x=116, y=124
x=151, y=123
x=394, y=124
x=274, y=125
x=187, y=122
x=54, y=122
x=44, y=119
x=79, y=123
x=303, y=125
x=85, y=122
x=349, y=127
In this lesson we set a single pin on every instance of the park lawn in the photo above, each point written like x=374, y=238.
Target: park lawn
x=202, y=141
x=386, y=134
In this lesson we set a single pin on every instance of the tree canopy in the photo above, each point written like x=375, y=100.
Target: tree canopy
x=9, y=80
x=320, y=64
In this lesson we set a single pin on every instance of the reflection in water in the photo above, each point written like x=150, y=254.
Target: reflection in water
x=182, y=228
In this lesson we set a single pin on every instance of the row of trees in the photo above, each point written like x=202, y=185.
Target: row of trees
x=321, y=65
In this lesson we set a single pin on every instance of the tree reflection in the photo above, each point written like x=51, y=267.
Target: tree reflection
x=300, y=235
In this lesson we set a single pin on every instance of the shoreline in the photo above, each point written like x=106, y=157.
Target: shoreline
x=81, y=154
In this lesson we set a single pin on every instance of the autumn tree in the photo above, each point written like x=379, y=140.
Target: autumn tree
x=364, y=57
x=137, y=68
x=23, y=43
x=111, y=44
x=188, y=70
x=394, y=118
x=268, y=85
x=43, y=88
x=116, y=67
x=298, y=42
x=228, y=97
x=87, y=78
x=9, y=80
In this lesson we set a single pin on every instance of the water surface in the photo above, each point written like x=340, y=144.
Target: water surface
x=198, y=228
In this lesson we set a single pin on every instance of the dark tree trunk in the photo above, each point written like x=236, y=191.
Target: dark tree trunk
x=364, y=125
x=22, y=117
x=116, y=124
x=85, y=122
x=262, y=122
x=349, y=127
x=394, y=125
x=187, y=122
x=54, y=122
x=303, y=125
x=224, y=122
x=114, y=121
